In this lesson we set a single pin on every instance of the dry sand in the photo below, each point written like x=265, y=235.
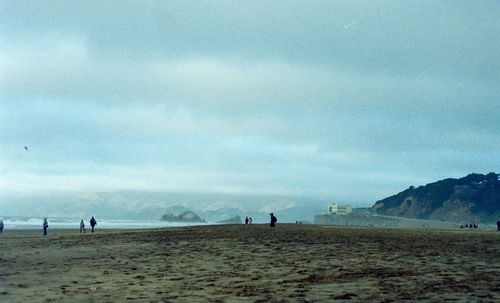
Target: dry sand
x=238, y=263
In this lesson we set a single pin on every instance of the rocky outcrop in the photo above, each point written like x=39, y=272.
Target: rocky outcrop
x=186, y=217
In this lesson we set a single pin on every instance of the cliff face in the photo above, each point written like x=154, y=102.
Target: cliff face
x=187, y=216
x=475, y=197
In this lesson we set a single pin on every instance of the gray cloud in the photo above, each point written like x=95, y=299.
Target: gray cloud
x=275, y=98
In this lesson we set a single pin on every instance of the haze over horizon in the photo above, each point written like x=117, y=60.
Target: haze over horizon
x=348, y=101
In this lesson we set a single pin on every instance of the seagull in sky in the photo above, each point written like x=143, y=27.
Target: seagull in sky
x=346, y=26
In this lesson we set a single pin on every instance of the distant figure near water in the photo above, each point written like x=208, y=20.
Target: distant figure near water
x=1, y=226
x=246, y=220
x=93, y=223
x=273, y=220
x=250, y=220
x=45, y=226
x=498, y=225
x=82, y=227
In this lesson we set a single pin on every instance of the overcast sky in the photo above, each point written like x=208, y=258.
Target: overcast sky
x=344, y=100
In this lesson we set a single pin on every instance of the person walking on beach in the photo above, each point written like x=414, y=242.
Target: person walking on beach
x=246, y=220
x=273, y=220
x=93, y=223
x=1, y=226
x=82, y=227
x=250, y=220
x=498, y=225
x=45, y=226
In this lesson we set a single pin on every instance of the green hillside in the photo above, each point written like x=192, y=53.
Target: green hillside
x=475, y=197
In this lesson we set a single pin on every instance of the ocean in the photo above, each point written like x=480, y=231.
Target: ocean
x=69, y=223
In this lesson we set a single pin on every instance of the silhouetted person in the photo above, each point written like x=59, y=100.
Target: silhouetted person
x=45, y=226
x=1, y=226
x=498, y=225
x=250, y=220
x=82, y=227
x=93, y=223
x=273, y=220
x=246, y=220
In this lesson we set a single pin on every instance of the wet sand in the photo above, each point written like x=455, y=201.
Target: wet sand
x=238, y=263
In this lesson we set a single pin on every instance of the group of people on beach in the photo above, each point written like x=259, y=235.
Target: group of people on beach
x=471, y=225
x=45, y=225
x=93, y=223
x=274, y=220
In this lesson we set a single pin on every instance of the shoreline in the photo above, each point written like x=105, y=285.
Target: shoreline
x=105, y=230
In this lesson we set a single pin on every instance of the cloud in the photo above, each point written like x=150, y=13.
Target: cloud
x=64, y=69
x=247, y=97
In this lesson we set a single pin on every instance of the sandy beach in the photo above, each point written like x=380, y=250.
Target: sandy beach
x=238, y=263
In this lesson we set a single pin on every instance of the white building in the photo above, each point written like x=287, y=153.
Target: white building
x=339, y=209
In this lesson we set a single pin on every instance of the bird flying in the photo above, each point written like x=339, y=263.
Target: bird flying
x=346, y=26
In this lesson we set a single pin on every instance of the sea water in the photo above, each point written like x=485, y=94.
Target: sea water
x=69, y=223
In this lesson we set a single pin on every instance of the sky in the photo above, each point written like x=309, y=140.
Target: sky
x=348, y=101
